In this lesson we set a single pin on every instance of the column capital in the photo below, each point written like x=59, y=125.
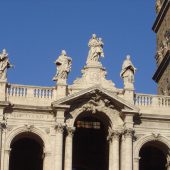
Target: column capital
x=129, y=132
x=114, y=134
x=70, y=131
x=59, y=127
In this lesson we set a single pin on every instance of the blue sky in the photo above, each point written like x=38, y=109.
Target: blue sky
x=35, y=32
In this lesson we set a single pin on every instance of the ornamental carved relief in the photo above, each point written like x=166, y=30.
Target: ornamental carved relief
x=70, y=131
x=96, y=103
x=59, y=127
x=114, y=134
x=129, y=132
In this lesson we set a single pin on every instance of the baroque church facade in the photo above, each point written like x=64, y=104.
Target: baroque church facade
x=91, y=124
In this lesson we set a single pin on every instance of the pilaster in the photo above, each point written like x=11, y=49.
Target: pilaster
x=136, y=163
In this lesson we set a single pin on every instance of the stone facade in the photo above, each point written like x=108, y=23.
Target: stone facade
x=162, y=29
x=89, y=125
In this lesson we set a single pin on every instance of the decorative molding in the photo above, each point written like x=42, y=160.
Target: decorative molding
x=114, y=134
x=70, y=131
x=59, y=127
x=129, y=132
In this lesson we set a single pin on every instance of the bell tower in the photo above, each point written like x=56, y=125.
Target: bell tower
x=162, y=29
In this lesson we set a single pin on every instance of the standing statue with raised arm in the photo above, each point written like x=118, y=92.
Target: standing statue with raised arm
x=96, y=50
x=63, y=66
x=4, y=65
x=127, y=73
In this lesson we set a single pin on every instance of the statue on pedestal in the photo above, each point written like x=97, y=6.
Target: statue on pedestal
x=158, y=6
x=4, y=65
x=127, y=73
x=63, y=65
x=96, y=50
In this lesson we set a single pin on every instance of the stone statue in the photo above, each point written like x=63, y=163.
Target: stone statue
x=4, y=65
x=158, y=6
x=127, y=73
x=96, y=50
x=63, y=64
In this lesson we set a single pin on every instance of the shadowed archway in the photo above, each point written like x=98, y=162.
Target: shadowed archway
x=90, y=145
x=26, y=152
x=153, y=155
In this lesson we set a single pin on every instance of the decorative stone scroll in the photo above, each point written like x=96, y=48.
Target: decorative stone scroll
x=129, y=132
x=4, y=65
x=96, y=104
x=60, y=127
x=114, y=134
x=70, y=131
x=127, y=73
x=63, y=65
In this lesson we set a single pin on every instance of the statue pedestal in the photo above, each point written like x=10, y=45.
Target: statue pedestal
x=60, y=91
x=3, y=90
x=93, y=75
x=129, y=95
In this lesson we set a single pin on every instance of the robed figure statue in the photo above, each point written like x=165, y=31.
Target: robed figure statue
x=127, y=73
x=4, y=65
x=63, y=66
x=96, y=50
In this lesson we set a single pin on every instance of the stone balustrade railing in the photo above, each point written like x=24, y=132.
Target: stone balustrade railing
x=147, y=100
x=30, y=91
x=29, y=94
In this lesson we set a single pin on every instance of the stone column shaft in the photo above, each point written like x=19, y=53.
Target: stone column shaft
x=110, y=154
x=69, y=149
x=1, y=130
x=122, y=153
x=59, y=147
x=114, y=149
x=128, y=149
x=115, y=152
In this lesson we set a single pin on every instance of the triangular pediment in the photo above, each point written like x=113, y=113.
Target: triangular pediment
x=89, y=93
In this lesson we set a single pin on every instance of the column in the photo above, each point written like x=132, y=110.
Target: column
x=115, y=150
x=59, y=147
x=136, y=163
x=109, y=138
x=128, y=149
x=1, y=129
x=122, y=153
x=69, y=148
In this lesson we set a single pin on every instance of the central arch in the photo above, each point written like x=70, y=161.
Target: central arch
x=90, y=145
x=26, y=152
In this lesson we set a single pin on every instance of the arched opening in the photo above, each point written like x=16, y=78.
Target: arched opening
x=90, y=145
x=26, y=152
x=153, y=156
